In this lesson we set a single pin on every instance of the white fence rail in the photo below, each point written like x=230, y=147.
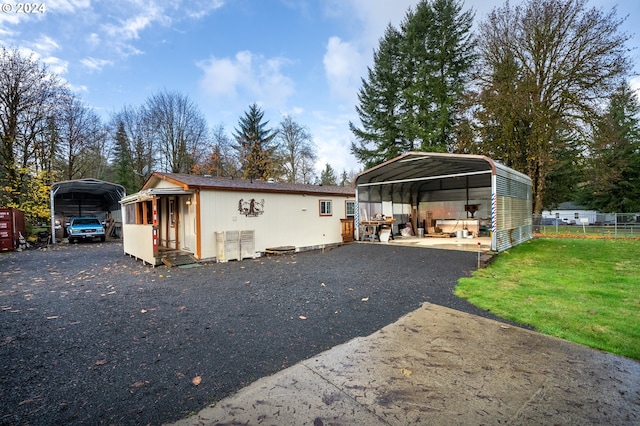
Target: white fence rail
x=610, y=225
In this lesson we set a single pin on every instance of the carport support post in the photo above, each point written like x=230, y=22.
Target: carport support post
x=414, y=214
x=52, y=196
x=494, y=212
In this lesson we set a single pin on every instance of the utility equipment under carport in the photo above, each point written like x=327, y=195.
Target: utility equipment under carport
x=424, y=188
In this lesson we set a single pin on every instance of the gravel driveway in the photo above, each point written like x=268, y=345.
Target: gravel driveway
x=91, y=336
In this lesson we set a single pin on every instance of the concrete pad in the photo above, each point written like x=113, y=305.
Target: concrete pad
x=481, y=244
x=441, y=366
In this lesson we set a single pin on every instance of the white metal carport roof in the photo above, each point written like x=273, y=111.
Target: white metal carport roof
x=415, y=170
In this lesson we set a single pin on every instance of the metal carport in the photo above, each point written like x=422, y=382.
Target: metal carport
x=84, y=197
x=411, y=184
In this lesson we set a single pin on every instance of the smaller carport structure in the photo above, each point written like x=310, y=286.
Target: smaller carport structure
x=84, y=197
x=449, y=191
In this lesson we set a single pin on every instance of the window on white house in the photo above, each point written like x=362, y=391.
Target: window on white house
x=350, y=208
x=325, y=208
x=130, y=214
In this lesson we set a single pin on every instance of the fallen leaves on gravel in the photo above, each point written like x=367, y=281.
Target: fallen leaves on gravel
x=302, y=317
x=196, y=380
x=365, y=299
x=406, y=372
x=101, y=362
x=7, y=340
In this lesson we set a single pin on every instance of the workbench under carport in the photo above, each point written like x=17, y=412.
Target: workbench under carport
x=470, y=195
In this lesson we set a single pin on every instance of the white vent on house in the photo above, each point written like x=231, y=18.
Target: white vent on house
x=247, y=244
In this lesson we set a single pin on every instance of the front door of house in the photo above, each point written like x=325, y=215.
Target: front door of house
x=171, y=223
x=187, y=224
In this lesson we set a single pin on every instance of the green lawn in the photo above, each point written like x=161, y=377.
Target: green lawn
x=583, y=290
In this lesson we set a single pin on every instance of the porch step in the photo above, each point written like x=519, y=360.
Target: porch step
x=280, y=250
x=179, y=260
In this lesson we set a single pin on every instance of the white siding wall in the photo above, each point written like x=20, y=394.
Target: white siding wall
x=165, y=184
x=288, y=219
x=138, y=242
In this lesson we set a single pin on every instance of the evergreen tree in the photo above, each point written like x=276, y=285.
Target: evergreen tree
x=344, y=179
x=255, y=148
x=614, y=171
x=122, y=160
x=411, y=100
x=546, y=67
x=328, y=176
x=380, y=137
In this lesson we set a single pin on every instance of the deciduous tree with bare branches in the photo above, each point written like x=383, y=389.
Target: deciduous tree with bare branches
x=296, y=151
x=29, y=98
x=547, y=68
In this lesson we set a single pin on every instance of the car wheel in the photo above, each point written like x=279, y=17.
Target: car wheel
x=103, y=238
x=71, y=241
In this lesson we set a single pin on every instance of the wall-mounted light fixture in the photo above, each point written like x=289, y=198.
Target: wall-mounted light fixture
x=188, y=202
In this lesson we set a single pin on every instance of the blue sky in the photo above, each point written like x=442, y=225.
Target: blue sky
x=299, y=57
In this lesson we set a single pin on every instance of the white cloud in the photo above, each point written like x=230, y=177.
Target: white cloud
x=93, y=39
x=373, y=16
x=45, y=44
x=56, y=65
x=346, y=59
x=333, y=142
x=130, y=28
x=95, y=64
x=200, y=9
x=343, y=66
x=248, y=76
x=66, y=6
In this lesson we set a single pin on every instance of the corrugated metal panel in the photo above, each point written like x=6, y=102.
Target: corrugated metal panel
x=513, y=212
x=505, y=172
x=514, y=205
x=511, y=237
x=513, y=188
x=514, y=223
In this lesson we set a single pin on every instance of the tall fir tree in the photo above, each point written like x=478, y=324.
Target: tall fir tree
x=380, y=137
x=122, y=160
x=614, y=172
x=412, y=96
x=255, y=144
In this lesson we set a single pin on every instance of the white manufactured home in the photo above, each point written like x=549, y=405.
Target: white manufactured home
x=225, y=219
